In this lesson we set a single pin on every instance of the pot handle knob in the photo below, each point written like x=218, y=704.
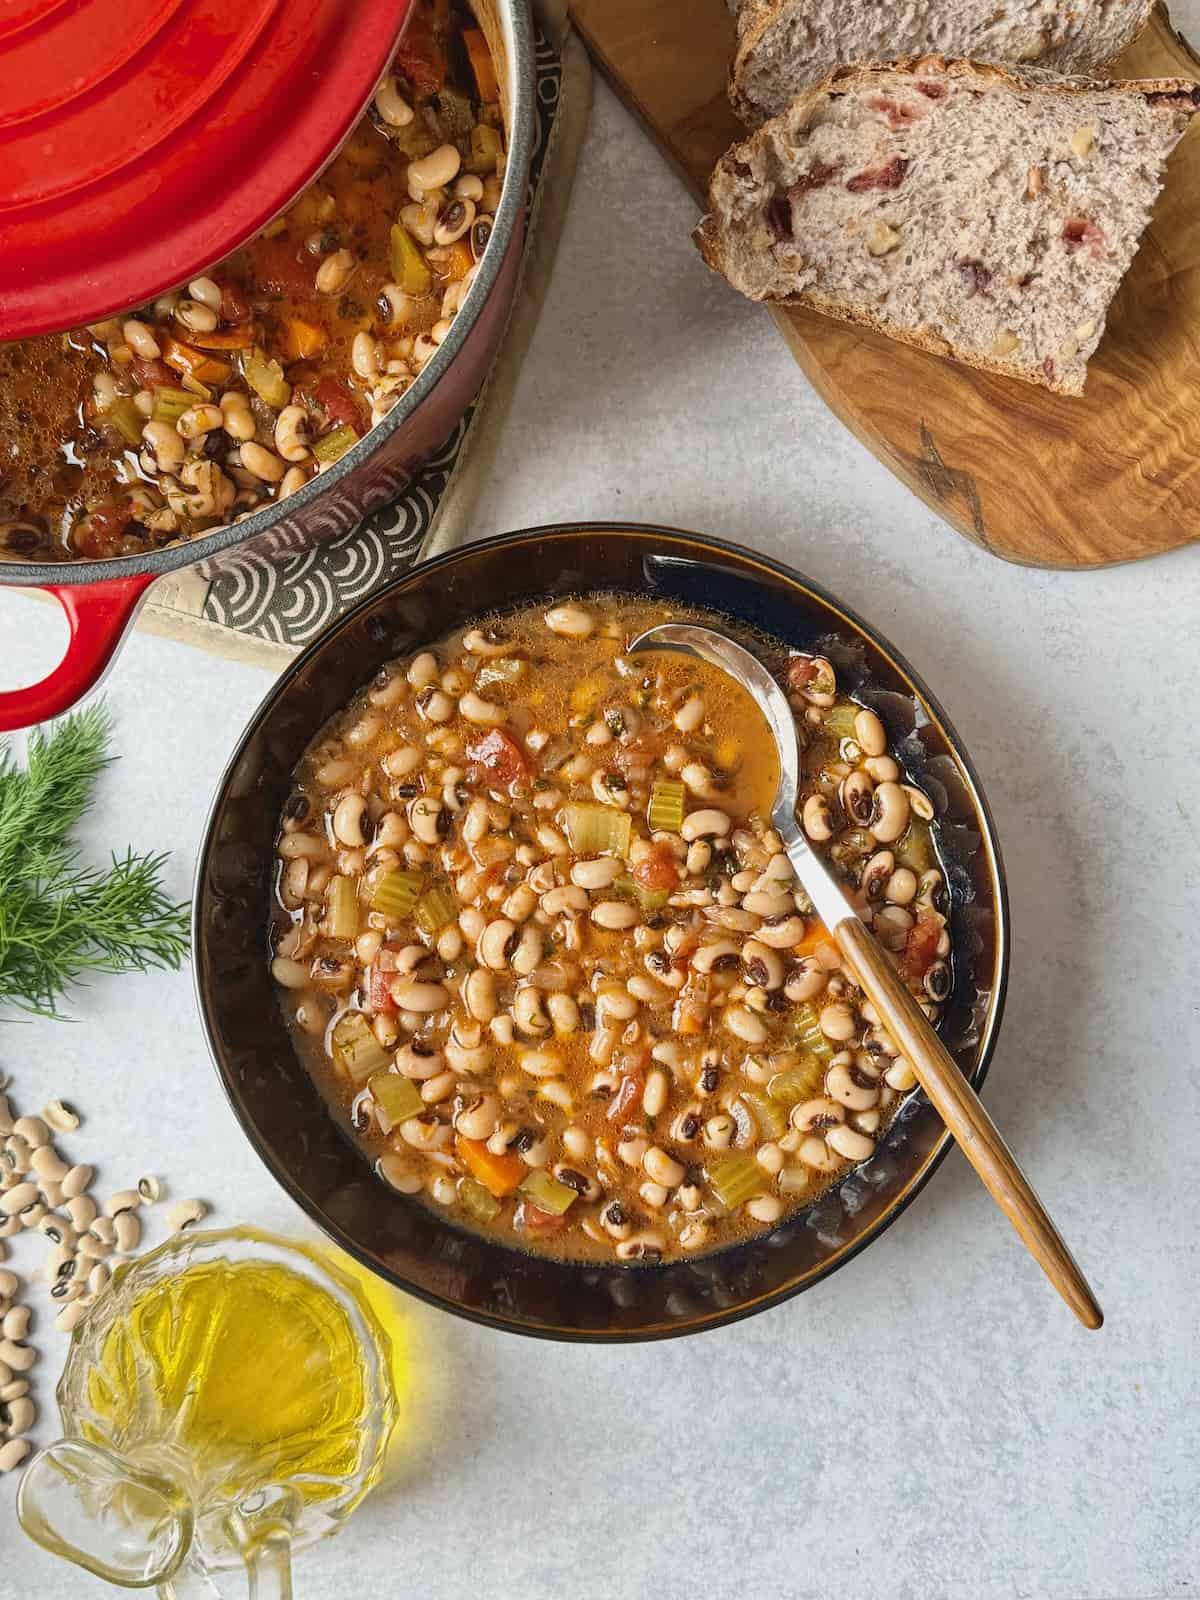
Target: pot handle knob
x=98, y=615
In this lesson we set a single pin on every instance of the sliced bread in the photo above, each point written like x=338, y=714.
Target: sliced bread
x=961, y=208
x=789, y=45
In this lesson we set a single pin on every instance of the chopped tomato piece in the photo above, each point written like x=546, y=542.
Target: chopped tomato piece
x=419, y=59
x=920, y=948
x=281, y=270
x=814, y=937
x=801, y=672
x=239, y=338
x=628, y=1098
x=658, y=869
x=303, y=339
x=379, y=992
x=202, y=366
x=534, y=1220
x=153, y=374
x=234, y=305
x=338, y=403
x=499, y=1175
x=501, y=758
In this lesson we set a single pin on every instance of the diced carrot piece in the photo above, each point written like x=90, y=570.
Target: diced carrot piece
x=813, y=938
x=461, y=261
x=500, y=1175
x=239, y=338
x=303, y=340
x=481, y=64
x=195, y=363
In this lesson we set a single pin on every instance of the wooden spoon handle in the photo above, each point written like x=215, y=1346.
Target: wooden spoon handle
x=962, y=1111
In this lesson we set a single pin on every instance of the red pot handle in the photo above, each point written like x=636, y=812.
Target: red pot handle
x=98, y=615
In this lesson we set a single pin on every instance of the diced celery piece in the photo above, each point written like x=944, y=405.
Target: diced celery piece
x=734, y=1179
x=666, y=805
x=341, y=908
x=803, y=1082
x=201, y=391
x=476, y=1201
x=265, y=377
x=435, y=908
x=596, y=830
x=839, y=719
x=123, y=415
x=806, y=1027
x=356, y=1049
x=170, y=404
x=485, y=147
x=409, y=267
x=547, y=1193
x=772, y=1121
x=396, y=1099
x=332, y=446
x=915, y=850
x=396, y=894
x=506, y=670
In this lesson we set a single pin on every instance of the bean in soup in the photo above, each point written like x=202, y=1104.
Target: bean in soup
x=542, y=949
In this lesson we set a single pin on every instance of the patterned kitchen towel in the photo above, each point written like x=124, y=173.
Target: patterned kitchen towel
x=265, y=612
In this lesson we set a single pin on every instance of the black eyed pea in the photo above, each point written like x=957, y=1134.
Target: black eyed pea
x=435, y=705
x=869, y=733
x=852, y=1145
x=858, y=798
x=14, y=1201
x=433, y=171
x=765, y=1208
x=479, y=989
x=761, y=965
x=584, y=1186
x=770, y=1157
x=529, y=1014
x=577, y=1142
x=418, y=1061
x=195, y=316
x=900, y=1075
x=852, y=1082
x=815, y=1153
x=428, y=820
x=20, y=1357
x=570, y=621
x=48, y=1164
x=699, y=780
x=455, y=219
x=819, y=688
x=291, y=434
x=237, y=418
x=140, y=339
x=15, y=1325
x=166, y=449
x=566, y=897
x=656, y=1092
x=263, y=463
x=397, y=1172
x=662, y=1168
x=615, y=915
x=564, y=1014
x=349, y=817
x=867, y=1121
x=335, y=272
x=480, y=1119
x=527, y=952
x=654, y=1195
x=632, y=1148
x=520, y=905
x=13, y=1454
x=813, y=1116
x=744, y=1025
x=648, y=1245
x=781, y=934
x=837, y=1022
x=876, y=873
x=481, y=712
x=541, y=1063
x=882, y=769
x=600, y=873
x=889, y=813
x=768, y=903
x=534, y=1152
x=694, y=1236
x=817, y=819
x=391, y=105
x=707, y=824
x=719, y=1131
x=425, y=1132
x=128, y=1232
x=615, y=1221
x=734, y=918
x=199, y=420
x=901, y=887
x=412, y=995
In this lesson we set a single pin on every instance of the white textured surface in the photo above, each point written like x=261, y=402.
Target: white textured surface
x=930, y=1422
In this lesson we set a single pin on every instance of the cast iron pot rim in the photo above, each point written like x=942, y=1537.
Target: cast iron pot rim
x=698, y=543
x=189, y=552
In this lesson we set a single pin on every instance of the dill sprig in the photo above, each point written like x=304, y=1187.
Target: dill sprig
x=61, y=920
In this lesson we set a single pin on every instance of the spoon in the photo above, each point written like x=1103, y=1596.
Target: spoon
x=937, y=1072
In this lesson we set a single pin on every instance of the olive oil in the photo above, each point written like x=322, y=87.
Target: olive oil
x=245, y=1372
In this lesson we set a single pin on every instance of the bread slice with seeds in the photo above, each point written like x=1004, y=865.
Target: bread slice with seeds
x=789, y=45
x=965, y=209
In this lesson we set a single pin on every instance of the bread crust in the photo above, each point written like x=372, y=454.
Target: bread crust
x=1182, y=95
x=757, y=16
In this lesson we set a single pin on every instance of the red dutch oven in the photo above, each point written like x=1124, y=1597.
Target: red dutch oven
x=101, y=598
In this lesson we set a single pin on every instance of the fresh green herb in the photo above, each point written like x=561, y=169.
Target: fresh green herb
x=61, y=920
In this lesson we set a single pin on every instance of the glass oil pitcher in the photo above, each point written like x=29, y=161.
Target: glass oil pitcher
x=227, y=1400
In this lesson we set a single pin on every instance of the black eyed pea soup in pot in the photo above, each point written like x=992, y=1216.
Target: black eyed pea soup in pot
x=540, y=946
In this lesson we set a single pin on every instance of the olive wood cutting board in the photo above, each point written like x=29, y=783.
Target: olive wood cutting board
x=1040, y=478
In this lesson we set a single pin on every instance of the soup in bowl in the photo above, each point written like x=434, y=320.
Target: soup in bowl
x=508, y=977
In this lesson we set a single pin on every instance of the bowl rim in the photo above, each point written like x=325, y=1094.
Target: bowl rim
x=698, y=545
x=517, y=22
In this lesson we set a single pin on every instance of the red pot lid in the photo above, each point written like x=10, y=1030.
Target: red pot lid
x=142, y=140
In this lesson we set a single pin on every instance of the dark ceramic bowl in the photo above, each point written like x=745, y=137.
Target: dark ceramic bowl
x=282, y=1112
